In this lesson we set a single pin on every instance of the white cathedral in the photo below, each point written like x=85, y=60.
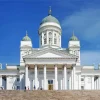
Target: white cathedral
x=50, y=66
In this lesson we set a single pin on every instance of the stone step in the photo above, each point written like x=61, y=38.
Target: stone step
x=49, y=95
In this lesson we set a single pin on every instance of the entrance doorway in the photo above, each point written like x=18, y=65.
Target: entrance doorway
x=50, y=84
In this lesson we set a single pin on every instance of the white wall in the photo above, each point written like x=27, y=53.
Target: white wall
x=11, y=81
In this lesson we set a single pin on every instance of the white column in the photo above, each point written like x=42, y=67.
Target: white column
x=61, y=85
x=0, y=81
x=70, y=83
x=26, y=76
x=79, y=81
x=65, y=78
x=35, y=76
x=45, y=81
x=92, y=82
x=97, y=83
x=56, y=83
x=21, y=81
x=85, y=82
x=72, y=80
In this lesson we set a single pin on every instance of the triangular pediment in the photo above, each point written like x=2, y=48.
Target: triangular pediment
x=50, y=53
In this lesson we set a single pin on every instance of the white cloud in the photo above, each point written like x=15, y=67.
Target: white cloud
x=90, y=58
x=86, y=24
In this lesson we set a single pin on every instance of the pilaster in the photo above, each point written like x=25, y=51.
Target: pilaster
x=92, y=82
x=36, y=83
x=72, y=80
x=79, y=81
x=56, y=75
x=26, y=76
x=65, y=78
x=45, y=83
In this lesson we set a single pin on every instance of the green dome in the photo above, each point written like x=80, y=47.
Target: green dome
x=73, y=38
x=50, y=18
x=26, y=38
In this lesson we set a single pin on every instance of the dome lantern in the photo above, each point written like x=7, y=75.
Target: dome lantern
x=50, y=31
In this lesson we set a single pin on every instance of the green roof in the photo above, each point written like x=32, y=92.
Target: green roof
x=50, y=18
x=73, y=38
x=26, y=38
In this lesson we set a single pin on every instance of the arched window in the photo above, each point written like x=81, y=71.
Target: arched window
x=50, y=34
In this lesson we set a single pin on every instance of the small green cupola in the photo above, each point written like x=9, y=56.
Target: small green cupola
x=26, y=38
x=74, y=38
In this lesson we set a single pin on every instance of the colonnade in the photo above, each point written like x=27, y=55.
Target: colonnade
x=45, y=77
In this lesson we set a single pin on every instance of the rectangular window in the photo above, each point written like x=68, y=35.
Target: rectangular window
x=18, y=79
x=55, y=35
x=50, y=40
x=82, y=79
x=55, y=40
x=45, y=41
x=50, y=81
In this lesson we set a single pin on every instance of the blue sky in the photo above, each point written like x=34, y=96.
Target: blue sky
x=17, y=16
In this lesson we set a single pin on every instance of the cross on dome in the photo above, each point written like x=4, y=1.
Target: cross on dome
x=50, y=11
x=26, y=33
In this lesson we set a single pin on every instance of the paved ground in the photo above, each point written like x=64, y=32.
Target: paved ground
x=49, y=95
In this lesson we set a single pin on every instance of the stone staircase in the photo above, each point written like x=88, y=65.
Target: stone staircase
x=49, y=95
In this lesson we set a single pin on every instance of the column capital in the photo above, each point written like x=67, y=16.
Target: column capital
x=44, y=64
x=55, y=65
x=73, y=65
x=35, y=64
x=64, y=65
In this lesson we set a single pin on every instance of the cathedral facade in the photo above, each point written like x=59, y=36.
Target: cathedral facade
x=50, y=67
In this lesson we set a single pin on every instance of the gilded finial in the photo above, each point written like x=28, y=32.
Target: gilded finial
x=50, y=11
x=26, y=33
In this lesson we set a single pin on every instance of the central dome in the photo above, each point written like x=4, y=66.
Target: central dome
x=50, y=18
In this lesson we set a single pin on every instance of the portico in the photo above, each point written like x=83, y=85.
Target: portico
x=42, y=74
